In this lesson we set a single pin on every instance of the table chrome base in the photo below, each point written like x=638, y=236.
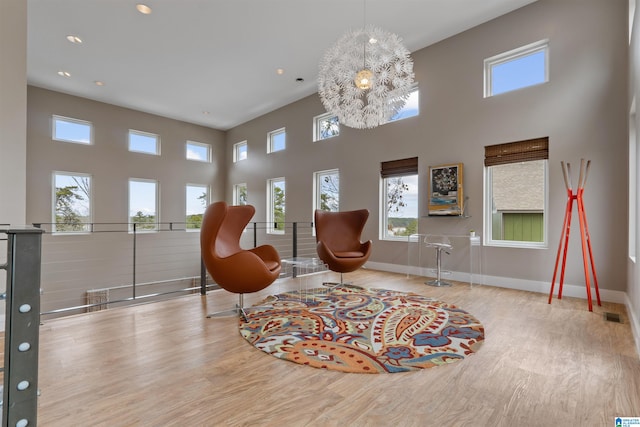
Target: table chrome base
x=438, y=283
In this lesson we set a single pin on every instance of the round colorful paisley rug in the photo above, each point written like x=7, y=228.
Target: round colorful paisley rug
x=352, y=329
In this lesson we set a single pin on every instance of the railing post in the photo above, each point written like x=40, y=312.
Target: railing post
x=294, y=245
x=203, y=278
x=255, y=235
x=22, y=323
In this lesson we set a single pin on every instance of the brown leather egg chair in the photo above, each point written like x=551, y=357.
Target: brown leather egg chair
x=338, y=240
x=234, y=269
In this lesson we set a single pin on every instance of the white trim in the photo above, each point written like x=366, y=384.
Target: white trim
x=198, y=144
x=633, y=320
x=54, y=120
x=316, y=126
x=512, y=55
x=236, y=151
x=153, y=136
x=271, y=137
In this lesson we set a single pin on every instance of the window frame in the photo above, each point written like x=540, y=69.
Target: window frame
x=236, y=151
x=414, y=89
x=189, y=143
x=488, y=214
x=157, y=205
x=317, y=129
x=512, y=55
x=633, y=183
x=87, y=225
x=317, y=190
x=271, y=220
x=186, y=200
x=236, y=193
x=144, y=134
x=271, y=139
x=390, y=170
x=54, y=120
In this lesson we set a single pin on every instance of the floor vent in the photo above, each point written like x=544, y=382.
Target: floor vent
x=98, y=296
x=612, y=317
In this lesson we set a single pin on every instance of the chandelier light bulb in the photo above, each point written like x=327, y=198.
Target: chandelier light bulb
x=363, y=79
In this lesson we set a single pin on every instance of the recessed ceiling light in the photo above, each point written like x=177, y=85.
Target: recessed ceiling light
x=143, y=8
x=64, y=73
x=300, y=80
x=280, y=71
x=99, y=83
x=206, y=113
x=74, y=39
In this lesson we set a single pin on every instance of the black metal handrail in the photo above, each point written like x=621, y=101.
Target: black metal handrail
x=295, y=239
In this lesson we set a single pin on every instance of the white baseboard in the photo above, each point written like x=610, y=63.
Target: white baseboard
x=576, y=291
x=635, y=322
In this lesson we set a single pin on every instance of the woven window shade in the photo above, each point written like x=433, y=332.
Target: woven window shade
x=399, y=167
x=514, y=152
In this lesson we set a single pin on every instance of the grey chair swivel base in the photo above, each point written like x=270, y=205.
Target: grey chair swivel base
x=239, y=310
x=438, y=282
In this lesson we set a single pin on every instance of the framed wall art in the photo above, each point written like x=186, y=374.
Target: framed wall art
x=445, y=190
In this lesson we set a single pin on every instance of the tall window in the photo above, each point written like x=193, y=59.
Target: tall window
x=633, y=180
x=399, y=199
x=197, y=200
x=239, y=151
x=516, y=69
x=144, y=142
x=411, y=107
x=143, y=204
x=198, y=151
x=326, y=190
x=72, y=202
x=516, y=193
x=240, y=194
x=276, y=206
x=72, y=130
x=325, y=126
x=276, y=140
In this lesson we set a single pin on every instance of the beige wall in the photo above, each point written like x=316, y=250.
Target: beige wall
x=13, y=121
x=109, y=161
x=13, y=110
x=73, y=264
x=582, y=110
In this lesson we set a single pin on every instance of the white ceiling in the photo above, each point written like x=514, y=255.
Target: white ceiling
x=194, y=56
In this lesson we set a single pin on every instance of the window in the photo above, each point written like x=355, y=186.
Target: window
x=239, y=151
x=411, y=107
x=516, y=194
x=325, y=126
x=198, y=151
x=240, y=194
x=197, y=200
x=326, y=190
x=72, y=202
x=399, y=199
x=276, y=206
x=516, y=69
x=72, y=130
x=143, y=142
x=633, y=180
x=143, y=204
x=276, y=140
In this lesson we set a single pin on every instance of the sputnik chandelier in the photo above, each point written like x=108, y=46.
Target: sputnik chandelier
x=366, y=77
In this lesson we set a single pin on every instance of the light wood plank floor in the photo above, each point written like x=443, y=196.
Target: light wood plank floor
x=166, y=364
